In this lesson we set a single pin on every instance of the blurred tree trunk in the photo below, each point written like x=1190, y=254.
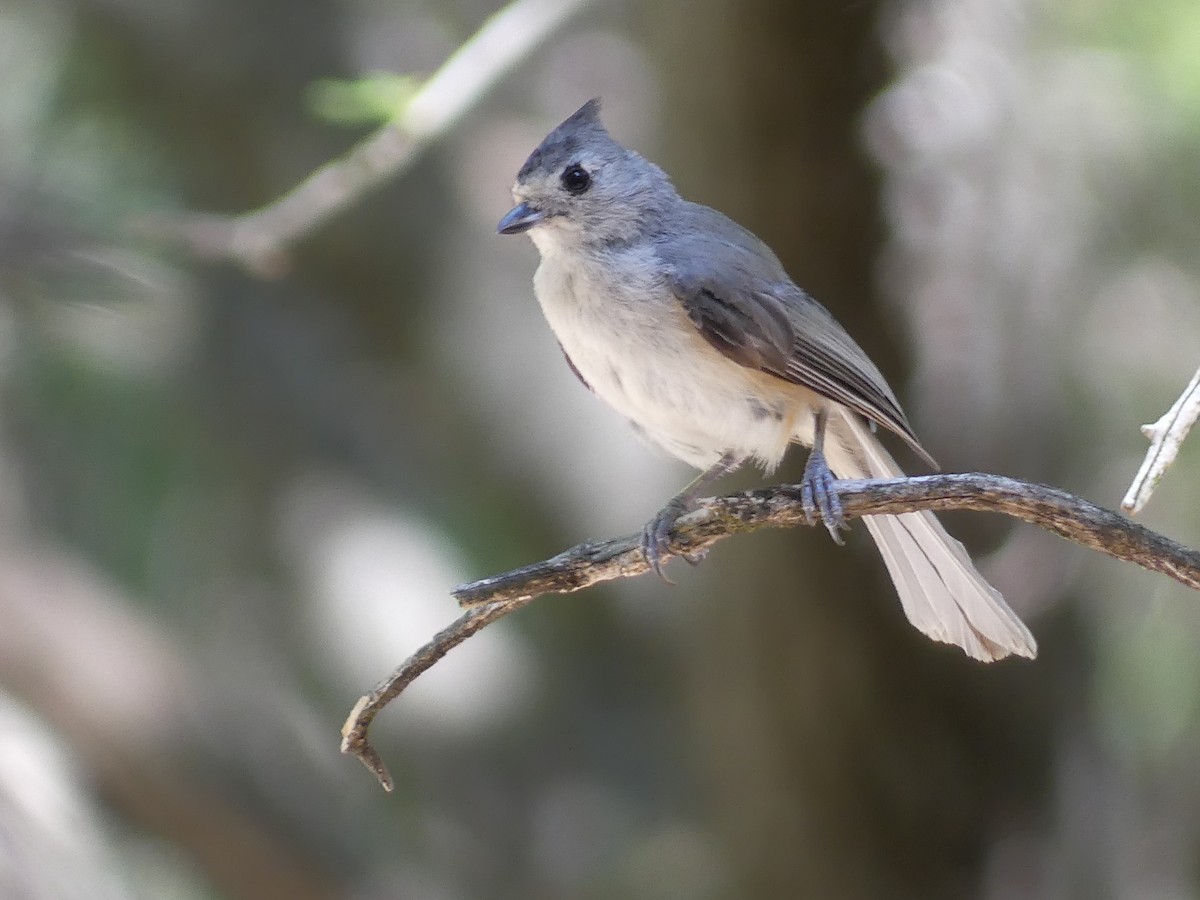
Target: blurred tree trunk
x=845, y=755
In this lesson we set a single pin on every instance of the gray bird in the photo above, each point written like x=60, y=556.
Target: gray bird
x=687, y=324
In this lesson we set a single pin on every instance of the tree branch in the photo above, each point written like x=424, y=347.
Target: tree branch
x=259, y=239
x=1165, y=436
x=490, y=599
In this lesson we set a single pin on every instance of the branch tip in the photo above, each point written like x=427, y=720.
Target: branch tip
x=1165, y=436
x=356, y=743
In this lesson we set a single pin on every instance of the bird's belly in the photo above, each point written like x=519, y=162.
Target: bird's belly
x=653, y=367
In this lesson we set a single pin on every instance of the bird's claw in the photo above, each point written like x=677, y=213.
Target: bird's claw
x=819, y=498
x=656, y=539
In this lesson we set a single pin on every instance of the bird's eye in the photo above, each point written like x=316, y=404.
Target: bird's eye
x=576, y=179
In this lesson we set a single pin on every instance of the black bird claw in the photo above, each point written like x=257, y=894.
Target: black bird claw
x=819, y=497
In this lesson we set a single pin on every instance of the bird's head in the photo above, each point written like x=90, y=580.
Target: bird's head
x=582, y=187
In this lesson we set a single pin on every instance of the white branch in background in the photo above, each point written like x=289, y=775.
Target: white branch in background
x=1165, y=437
x=258, y=239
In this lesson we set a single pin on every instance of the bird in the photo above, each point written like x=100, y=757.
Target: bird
x=688, y=325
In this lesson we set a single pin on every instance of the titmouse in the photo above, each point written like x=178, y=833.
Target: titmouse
x=687, y=325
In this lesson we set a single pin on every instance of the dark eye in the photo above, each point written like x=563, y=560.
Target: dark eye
x=576, y=179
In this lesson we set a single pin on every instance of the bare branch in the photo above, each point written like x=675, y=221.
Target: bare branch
x=259, y=239
x=493, y=598
x=1166, y=435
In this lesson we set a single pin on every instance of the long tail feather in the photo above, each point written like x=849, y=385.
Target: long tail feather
x=941, y=591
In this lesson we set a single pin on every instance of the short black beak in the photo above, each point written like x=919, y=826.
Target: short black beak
x=520, y=218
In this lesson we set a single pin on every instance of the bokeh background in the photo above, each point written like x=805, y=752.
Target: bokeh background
x=231, y=500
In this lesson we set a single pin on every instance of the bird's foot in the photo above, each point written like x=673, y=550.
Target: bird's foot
x=819, y=498
x=656, y=537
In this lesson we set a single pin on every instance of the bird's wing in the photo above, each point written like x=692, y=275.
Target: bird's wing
x=736, y=293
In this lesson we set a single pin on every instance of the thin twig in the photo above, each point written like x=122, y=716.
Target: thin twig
x=492, y=598
x=1166, y=435
x=259, y=239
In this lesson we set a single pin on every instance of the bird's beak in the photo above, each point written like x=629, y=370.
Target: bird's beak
x=520, y=218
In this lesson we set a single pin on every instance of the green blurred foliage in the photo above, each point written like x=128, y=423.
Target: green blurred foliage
x=1162, y=39
x=371, y=100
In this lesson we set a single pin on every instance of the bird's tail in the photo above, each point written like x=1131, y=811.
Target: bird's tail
x=942, y=592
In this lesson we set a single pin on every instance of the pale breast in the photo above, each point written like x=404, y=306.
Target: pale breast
x=631, y=341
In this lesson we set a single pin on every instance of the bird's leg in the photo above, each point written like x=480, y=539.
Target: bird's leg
x=817, y=494
x=656, y=536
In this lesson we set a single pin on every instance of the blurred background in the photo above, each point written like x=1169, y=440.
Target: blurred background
x=233, y=498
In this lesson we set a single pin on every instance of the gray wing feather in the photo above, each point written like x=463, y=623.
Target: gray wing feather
x=736, y=293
